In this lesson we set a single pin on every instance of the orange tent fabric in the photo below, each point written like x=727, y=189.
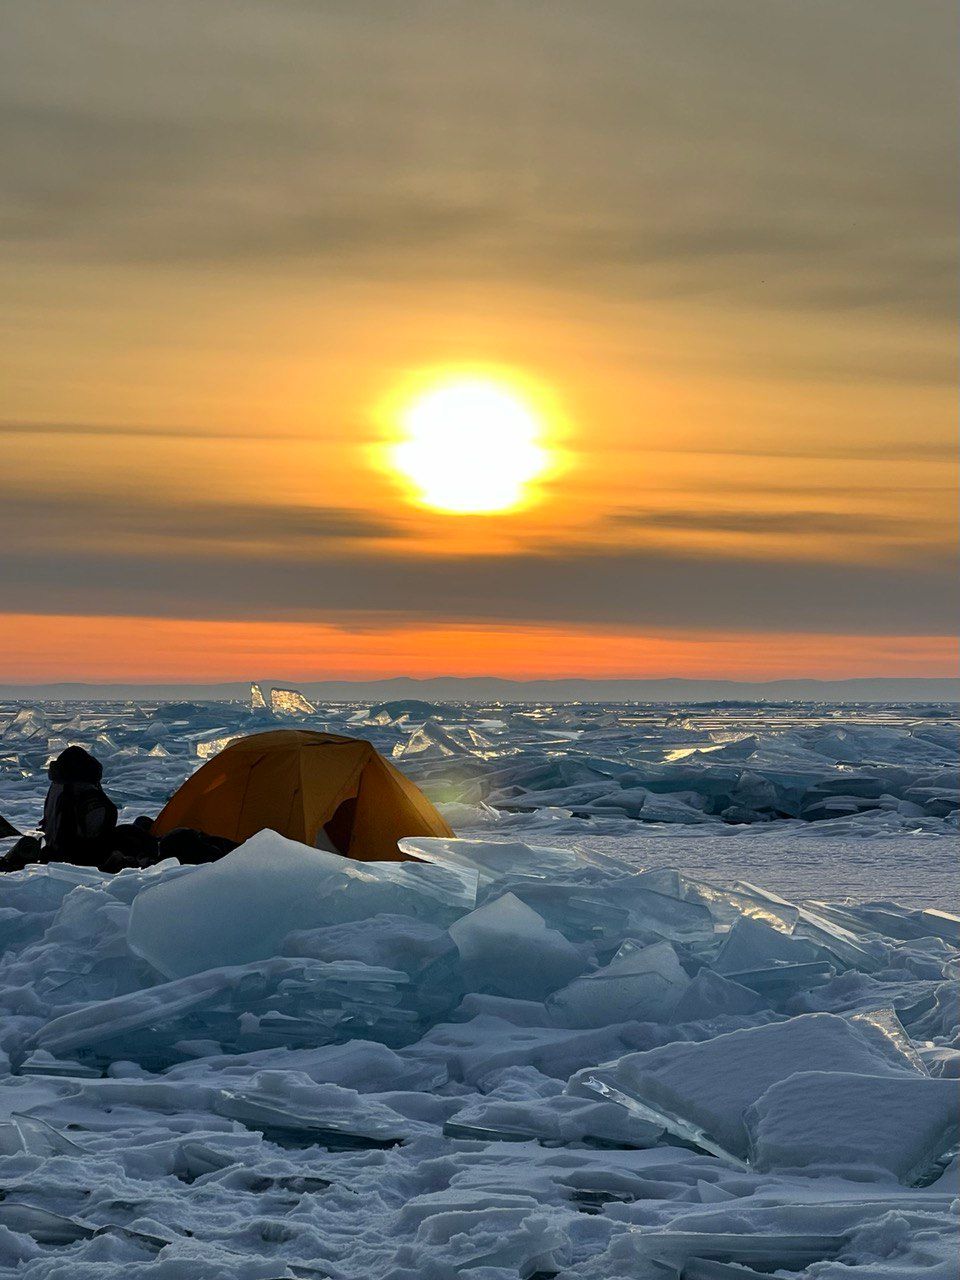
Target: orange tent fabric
x=298, y=783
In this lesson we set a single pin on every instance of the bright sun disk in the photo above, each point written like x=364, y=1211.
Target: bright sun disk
x=470, y=445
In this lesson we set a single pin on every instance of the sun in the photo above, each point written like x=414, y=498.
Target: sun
x=470, y=445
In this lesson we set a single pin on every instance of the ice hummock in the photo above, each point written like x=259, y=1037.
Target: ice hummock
x=241, y=908
x=292, y=1064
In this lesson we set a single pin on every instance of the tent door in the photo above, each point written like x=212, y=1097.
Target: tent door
x=340, y=827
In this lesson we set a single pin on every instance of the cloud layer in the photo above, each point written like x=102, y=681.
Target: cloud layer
x=761, y=155
x=724, y=232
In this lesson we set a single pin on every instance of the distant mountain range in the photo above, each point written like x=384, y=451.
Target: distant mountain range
x=488, y=689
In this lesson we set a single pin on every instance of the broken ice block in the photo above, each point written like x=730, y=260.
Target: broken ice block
x=781, y=980
x=41, y=888
x=207, y=748
x=752, y=944
x=236, y=910
x=660, y=914
x=727, y=906
x=426, y=953
x=32, y=1136
x=582, y=912
x=709, y=995
x=462, y=1230
x=847, y=948
x=700, y=1091
x=854, y=1125
x=942, y=924
x=552, y=1120
x=639, y=986
x=506, y=948
x=285, y=1000
x=43, y=1226
x=885, y=1028
x=293, y=1111
x=107, y=1019
x=662, y=880
x=435, y=740
x=454, y=889
x=674, y=808
x=42, y=1063
x=727, y=1255
x=492, y=859
x=29, y=722
x=390, y=942
x=240, y=908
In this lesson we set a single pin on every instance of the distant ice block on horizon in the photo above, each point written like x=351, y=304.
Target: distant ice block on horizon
x=290, y=702
x=257, y=701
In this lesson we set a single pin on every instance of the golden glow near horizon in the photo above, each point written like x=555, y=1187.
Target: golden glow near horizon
x=470, y=445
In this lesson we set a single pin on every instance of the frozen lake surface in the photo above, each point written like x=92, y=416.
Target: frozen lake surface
x=917, y=870
x=517, y=1056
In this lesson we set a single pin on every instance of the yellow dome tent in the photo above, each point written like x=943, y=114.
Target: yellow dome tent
x=302, y=783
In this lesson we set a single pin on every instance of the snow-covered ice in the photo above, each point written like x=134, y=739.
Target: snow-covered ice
x=657, y=1016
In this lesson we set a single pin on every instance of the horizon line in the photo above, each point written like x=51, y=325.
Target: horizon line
x=491, y=676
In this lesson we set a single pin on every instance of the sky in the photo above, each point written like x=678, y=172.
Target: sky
x=713, y=243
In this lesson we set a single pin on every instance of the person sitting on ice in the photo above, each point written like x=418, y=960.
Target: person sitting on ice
x=79, y=825
x=79, y=822
x=79, y=818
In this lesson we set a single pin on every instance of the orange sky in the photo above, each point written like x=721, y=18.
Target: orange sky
x=717, y=253
x=150, y=649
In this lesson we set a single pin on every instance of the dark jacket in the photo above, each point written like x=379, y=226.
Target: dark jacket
x=79, y=818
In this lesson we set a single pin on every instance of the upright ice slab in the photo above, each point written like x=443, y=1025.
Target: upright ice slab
x=751, y=944
x=656, y=914
x=507, y=949
x=290, y=702
x=640, y=986
x=710, y=995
